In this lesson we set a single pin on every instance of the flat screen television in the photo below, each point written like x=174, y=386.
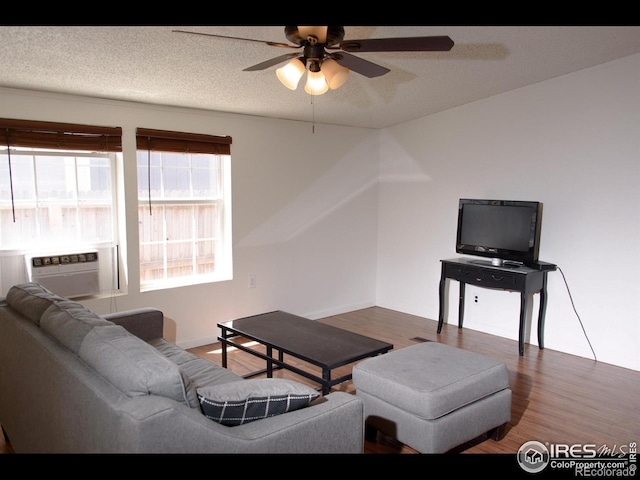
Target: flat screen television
x=506, y=231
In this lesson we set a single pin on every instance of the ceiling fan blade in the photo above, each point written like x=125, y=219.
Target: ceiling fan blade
x=407, y=44
x=270, y=63
x=359, y=65
x=272, y=44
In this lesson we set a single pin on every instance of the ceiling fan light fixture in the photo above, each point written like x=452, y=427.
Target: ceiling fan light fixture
x=327, y=70
x=290, y=74
x=335, y=74
x=316, y=83
x=317, y=32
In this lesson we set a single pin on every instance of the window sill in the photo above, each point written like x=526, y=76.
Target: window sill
x=183, y=282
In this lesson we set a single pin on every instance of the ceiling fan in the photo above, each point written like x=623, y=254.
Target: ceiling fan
x=328, y=56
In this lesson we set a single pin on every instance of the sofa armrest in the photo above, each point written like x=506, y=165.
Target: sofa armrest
x=145, y=323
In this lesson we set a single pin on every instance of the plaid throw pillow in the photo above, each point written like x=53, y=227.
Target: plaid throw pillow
x=240, y=402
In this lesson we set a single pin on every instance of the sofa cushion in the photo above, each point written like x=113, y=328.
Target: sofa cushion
x=69, y=322
x=132, y=365
x=237, y=403
x=200, y=372
x=31, y=300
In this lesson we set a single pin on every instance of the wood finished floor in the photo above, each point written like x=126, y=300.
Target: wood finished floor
x=557, y=398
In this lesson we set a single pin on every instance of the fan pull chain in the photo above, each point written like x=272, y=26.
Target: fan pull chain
x=149, y=172
x=313, y=114
x=13, y=206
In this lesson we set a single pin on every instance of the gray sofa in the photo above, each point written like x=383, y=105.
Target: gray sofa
x=73, y=381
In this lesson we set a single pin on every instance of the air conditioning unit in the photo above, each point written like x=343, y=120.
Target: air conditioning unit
x=68, y=275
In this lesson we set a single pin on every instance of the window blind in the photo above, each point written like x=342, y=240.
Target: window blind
x=168, y=141
x=59, y=136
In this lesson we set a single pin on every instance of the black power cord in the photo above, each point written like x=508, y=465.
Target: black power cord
x=576, y=312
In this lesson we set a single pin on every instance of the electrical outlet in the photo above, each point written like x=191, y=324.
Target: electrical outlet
x=252, y=280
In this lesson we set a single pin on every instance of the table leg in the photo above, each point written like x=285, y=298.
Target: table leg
x=542, y=311
x=224, y=346
x=326, y=380
x=269, y=363
x=523, y=315
x=461, y=305
x=441, y=310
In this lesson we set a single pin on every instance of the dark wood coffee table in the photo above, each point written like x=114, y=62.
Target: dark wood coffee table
x=321, y=345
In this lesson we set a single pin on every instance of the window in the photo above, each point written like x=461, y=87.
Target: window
x=58, y=195
x=52, y=199
x=184, y=208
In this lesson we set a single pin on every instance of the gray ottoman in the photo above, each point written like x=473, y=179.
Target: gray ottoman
x=433, y=397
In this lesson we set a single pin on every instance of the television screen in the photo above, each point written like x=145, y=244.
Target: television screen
x=499, y=229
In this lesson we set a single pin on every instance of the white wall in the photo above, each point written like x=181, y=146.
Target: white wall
x=346, y=218
x=304, y=212
x=571, y=143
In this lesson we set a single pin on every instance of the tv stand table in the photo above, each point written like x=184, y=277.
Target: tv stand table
x=482, y=273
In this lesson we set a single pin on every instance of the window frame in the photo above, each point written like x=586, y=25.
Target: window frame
x=13, y=256
x=222, y=251
x=38, y=201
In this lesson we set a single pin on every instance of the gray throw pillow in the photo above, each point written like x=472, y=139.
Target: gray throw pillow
x=236, y=403
x=132, y=365
x=69, y=322
x=31, y=300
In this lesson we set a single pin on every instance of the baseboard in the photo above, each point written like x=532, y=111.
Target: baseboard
x=198, y=342
x=337, y=310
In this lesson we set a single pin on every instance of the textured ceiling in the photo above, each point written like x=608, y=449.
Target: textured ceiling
x=153, y=64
